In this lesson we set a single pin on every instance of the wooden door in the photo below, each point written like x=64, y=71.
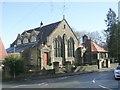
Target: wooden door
x=45, y=58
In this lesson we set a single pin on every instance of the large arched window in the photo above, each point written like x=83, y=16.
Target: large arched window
x=25, y=40
x=71, y=47
x=58, y=47
x=19, y=42
x=33, y=39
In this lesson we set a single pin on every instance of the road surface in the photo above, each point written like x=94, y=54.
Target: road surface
x=88, y=80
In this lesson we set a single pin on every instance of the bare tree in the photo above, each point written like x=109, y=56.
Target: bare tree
x=95, y=36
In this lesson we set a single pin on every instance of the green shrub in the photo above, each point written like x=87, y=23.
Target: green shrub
x=15, y=65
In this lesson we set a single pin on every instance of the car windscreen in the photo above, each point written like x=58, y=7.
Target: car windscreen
x=118, y=68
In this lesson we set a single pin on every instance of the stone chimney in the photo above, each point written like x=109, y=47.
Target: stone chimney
x=84, y=38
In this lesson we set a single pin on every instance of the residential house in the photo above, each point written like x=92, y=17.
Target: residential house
x=92, y=53
x=3, y=52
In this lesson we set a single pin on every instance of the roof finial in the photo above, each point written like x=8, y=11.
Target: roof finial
x=41, y=23
x=64, y=9
x=63, y=16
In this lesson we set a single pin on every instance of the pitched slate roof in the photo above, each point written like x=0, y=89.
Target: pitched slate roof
x=42, y=34
x=20, y=48
x=3, y=52
x=46, y=31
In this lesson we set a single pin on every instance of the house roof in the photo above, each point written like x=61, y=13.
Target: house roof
x=94, y=47
x=80, y=46
x=42, y=34
x=3, y=52
x=97, y=48
x=46, y=31
x=20, y=48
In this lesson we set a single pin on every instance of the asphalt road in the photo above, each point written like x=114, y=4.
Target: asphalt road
x=89, y=80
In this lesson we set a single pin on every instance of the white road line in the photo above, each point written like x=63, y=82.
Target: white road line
x=46, y=84
x=93, y=81
x=101, y=85
x=29, y=85
x=42, y=83
x=62, y=78
x=105, y=87
x=20, y=86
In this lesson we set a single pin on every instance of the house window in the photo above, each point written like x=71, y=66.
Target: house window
x=102, y=55
x=33, y=39
x=64, y=26
x=18, y=41
x=25, y=40
x=58, y=47
x=95, y=56
x=70, y=47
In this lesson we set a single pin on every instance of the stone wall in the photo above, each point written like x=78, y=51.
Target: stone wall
x=90, y=68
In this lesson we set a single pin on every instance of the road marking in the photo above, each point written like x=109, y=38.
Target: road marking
x=20, y=86
x=105, y=87
x=30, y=85
x=101, y=85
x=46, y=84
x=42, y=83
x=93, y=80
x=61, y=78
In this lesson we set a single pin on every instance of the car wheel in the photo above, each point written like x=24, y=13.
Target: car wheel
x=115, y=78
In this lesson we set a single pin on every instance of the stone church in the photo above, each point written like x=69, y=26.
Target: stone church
x=46, y=46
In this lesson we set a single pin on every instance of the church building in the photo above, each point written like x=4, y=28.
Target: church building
x=44, y=46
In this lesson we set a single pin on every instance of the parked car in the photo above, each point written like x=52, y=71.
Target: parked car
x=117, y=72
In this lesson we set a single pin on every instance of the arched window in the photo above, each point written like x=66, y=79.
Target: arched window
x=64, y=38
x=18, y=41
x=25, y=40
x=33, y=39
x=58, y=47
x=71, y=47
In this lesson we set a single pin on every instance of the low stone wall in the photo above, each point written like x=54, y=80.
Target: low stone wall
x=94, y=68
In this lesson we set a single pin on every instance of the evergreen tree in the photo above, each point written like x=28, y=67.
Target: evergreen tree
x=113, y=35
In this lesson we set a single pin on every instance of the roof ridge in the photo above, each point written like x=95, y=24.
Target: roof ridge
x=41, y=27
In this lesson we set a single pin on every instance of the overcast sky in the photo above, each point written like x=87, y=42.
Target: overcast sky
x=20, y=16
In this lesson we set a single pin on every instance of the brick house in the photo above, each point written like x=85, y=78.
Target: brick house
x=3, y=52
x=44, y=46
x=92, y=53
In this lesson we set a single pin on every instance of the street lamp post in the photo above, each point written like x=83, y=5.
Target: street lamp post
x=14, y=69
x=14, y=49
x=14, y=61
